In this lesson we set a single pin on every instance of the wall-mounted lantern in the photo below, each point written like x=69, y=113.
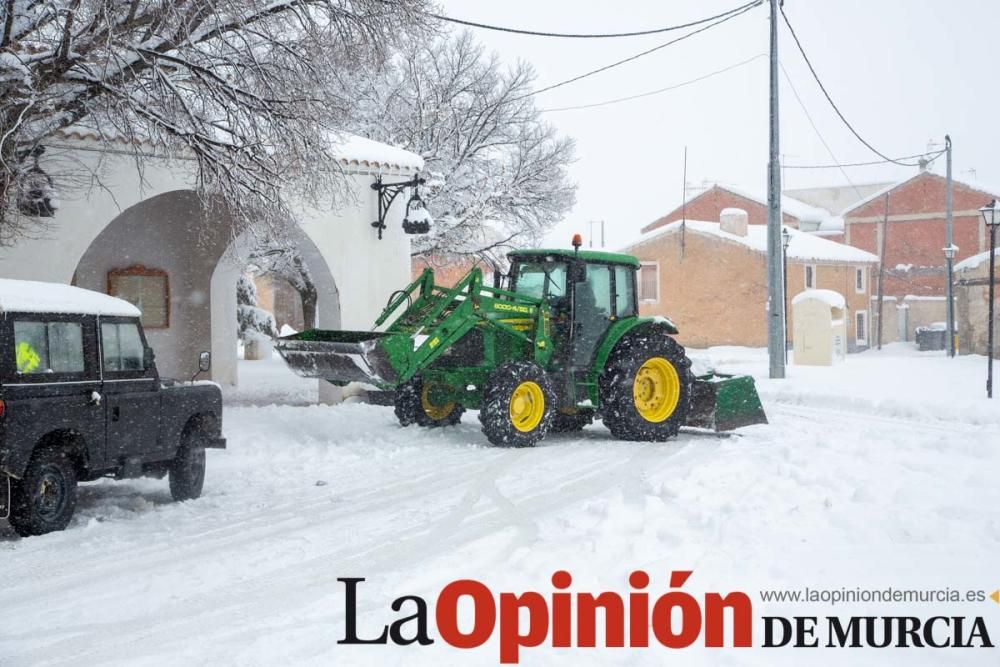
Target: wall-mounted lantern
x=417, y=219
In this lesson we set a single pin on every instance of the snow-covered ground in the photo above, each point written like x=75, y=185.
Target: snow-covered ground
x=879, y=472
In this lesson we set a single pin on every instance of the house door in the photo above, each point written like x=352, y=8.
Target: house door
x=861, y=328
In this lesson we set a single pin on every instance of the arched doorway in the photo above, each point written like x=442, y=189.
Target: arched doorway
x=177, y=258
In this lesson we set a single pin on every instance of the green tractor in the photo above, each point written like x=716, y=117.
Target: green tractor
x=560, y=344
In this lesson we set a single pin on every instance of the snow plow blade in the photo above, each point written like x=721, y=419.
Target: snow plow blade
x=725, y=403
x=339, y=357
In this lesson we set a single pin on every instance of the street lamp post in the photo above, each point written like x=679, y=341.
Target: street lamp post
x=991, y=216
x=786, y=238
x=949, y=256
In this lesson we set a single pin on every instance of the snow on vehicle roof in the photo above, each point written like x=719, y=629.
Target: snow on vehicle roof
x=802, y=246
x=827, y=296
x=974, y=262
x=28, y=296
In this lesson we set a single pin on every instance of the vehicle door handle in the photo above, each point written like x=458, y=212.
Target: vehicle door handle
x=95, y=398
x=116, y=413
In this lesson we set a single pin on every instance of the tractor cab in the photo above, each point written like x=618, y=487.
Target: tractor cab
x=587, y=291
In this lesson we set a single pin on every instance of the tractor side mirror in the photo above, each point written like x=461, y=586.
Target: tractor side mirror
x=205, y=362
x=577, y=272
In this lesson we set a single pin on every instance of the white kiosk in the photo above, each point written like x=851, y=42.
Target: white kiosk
x=820, y=327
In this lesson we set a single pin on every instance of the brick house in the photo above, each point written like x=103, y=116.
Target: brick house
x=711, y=199
x=914, y=236
x=710, y=278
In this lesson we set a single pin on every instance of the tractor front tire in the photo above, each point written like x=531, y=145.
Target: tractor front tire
x=413, y=406
x=646, y=387
x=518, y=405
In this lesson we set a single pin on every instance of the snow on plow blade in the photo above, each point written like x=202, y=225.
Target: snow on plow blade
x=339, y=356
x=725, y=402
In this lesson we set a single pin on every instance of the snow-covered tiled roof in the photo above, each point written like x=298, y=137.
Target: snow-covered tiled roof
x=349, y=150
x=793, y=207
x=802, y=246
x=27, y=296
x=979, y=187
x=354, y=150
x=974, y=262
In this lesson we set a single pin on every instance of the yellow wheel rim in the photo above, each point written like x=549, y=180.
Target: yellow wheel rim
x=527, y=406
x=435, y=412
x=656, y=390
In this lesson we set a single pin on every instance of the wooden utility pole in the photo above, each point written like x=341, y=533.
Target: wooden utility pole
x=881, y=271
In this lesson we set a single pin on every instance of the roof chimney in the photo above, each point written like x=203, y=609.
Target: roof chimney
x=733, y=221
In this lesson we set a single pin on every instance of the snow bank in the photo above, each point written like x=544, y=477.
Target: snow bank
x=27, y=296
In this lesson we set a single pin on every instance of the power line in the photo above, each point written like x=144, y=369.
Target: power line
x=567, y=35
x=816, y=129
x=660, y=90
x=702, y=29
x=929, y=156
x=830, y=99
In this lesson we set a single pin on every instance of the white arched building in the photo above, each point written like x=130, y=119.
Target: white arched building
x=149, y=233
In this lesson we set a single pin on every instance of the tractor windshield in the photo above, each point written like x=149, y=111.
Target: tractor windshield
x=541, y=280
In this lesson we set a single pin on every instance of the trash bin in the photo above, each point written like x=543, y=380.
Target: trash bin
x=933, y=337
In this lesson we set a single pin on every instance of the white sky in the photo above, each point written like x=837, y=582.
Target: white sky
x=904, y=72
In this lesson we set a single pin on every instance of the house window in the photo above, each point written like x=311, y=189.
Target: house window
x=147, y=289
x=860, y=280
x=861, y=328
x=649, y=281
x=810, y=276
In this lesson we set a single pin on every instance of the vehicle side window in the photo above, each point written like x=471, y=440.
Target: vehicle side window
x=624, y=291
x=48, y=347
x=122, y=347
x=593, y=297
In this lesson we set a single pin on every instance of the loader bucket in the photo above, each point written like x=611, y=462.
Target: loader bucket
x=725, y=402
x=339, y=356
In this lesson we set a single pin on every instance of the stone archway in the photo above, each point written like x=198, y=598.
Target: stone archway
x=175, y=235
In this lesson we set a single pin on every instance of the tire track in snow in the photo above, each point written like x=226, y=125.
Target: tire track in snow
x=304, y=582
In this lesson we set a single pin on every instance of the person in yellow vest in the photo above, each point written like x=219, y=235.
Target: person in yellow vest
x=28, y=360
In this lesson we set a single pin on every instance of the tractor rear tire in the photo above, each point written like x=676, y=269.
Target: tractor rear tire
x=646, y=386
x=564, y=422
x=413, y=406
x=518, y=405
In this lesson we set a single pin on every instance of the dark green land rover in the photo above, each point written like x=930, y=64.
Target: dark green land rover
x=80, y=399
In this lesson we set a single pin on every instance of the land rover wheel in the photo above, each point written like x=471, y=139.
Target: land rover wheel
x=43, y=500
x=187, y=471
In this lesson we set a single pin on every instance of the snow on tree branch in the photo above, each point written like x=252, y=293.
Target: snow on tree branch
x=496, y=171
x=245, y=88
